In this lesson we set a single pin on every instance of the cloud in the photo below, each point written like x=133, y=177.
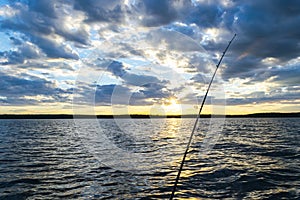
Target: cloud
x=161, y=12
x=206, y=15
x=150, y=86
x=242, y=68
x=190, y=30
x=116, y=68
x=113, y=94
x=103, y=95
x=54, y=49
x=285, y=76
x=43, y=33
x=287, y=98
x=44, y=25
x=18, y=90
x=133, y=89
x=44, y=7
x=172, y=41
x=266, y=29
x=101, y=10
x=25, y=51
x=15, y=41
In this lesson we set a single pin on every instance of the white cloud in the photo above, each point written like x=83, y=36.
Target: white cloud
x=8, y=12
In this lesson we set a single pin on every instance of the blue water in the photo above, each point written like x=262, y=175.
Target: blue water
x=255, y=158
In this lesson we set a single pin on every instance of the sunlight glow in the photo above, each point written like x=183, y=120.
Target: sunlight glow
x=172, y=107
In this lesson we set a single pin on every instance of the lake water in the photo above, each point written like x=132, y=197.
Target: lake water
x=251, y=158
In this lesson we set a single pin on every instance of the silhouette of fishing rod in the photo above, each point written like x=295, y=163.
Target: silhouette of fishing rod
x=197, y=119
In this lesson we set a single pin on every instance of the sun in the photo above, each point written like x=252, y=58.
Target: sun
x=172, y=107
x=173, y=102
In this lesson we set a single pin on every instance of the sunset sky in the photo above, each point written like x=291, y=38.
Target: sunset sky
x=148, y=56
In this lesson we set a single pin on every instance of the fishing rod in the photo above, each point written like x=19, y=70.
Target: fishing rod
x=197, y=119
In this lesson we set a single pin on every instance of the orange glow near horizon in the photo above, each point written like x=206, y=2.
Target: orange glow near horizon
x=170, y=107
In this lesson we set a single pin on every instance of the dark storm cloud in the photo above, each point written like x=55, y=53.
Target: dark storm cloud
x=155, y=90
x=113, y=94
x=264, y=98
x=15, y=41
x=11, y=85
x=136, y=89
x=121, y=94
x=50, y=20
x=101, y=10
x=285, y=76
x=24, y=51
x=265, y=29
x=157, y=12
x=206, y=15
x=243, y=68
x=147, y=12
x=44, y=7
x=116, y=68
x=161, y=12
x=40, y=23
x=143, y=80
x=104, y=93
x=54, y=49
x=288, y=76
x=15, y=88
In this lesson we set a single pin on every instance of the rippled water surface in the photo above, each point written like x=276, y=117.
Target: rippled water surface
x=255, y=158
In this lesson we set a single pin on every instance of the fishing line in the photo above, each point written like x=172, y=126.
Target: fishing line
x=197, y=119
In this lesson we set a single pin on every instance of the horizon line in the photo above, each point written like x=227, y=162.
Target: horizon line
x=71, y=116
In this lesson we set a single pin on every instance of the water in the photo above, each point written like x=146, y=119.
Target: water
x=138, y=159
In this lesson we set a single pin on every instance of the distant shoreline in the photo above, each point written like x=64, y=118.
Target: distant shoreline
x=66, y=116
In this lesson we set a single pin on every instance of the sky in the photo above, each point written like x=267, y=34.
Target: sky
x=148, y=56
